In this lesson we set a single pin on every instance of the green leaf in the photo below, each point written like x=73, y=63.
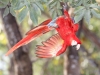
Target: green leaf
x=79, y=10
x=4, y=1
x=13, y=2
x=79, y=16
x=79, y=3
x=52, y=2
x=53, y=5
x=58, y=5
x=54, y=15
x=51, y=11
x=59, y=12
x=37, y=9
x=70, y=1
x=22, y=14
x=33, y=15
x=85, y=2
x=6, y=12
x=18, y=6
x=95, y=6
x=12, y=11
x=45, y=1
x=87, y=16
x=39, y=5
x=65, y=0
x=2, y=5
x=95, y=13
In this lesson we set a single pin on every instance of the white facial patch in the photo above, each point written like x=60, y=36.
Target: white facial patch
x=73, y=43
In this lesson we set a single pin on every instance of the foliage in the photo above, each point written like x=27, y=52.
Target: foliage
x=19, y=8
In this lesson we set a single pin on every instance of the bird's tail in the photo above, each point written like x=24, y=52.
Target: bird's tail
x=31, y=35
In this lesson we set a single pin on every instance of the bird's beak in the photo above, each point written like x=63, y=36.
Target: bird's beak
x=77, y=46
x=74, y=43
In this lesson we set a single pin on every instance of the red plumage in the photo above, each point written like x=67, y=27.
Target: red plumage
x=31, y=35
x=58, y=43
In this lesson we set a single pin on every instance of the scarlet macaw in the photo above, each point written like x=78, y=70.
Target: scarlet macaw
x=58, y=43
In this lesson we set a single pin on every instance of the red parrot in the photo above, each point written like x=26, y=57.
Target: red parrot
x=58, y=43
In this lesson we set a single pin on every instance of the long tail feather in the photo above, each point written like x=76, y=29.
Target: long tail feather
x=39, y=26
x=33, y=34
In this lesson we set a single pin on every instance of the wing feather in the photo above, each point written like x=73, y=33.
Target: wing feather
x=31, y=35
x=54, y=46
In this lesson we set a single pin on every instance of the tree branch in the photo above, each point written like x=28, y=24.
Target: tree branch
x=22, y=63
x=91, y=36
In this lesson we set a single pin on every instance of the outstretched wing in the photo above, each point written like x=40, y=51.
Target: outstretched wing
x=52, y=47
x=31, y=35
x=40, y=27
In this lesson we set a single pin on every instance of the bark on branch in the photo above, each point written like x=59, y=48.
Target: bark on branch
x=21, y=60
x=92, y=36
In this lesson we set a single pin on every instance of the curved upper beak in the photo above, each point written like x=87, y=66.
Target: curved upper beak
x=77, y=46
x=74, y=43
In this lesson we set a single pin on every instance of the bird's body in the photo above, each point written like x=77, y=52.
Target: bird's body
x=58, y=43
